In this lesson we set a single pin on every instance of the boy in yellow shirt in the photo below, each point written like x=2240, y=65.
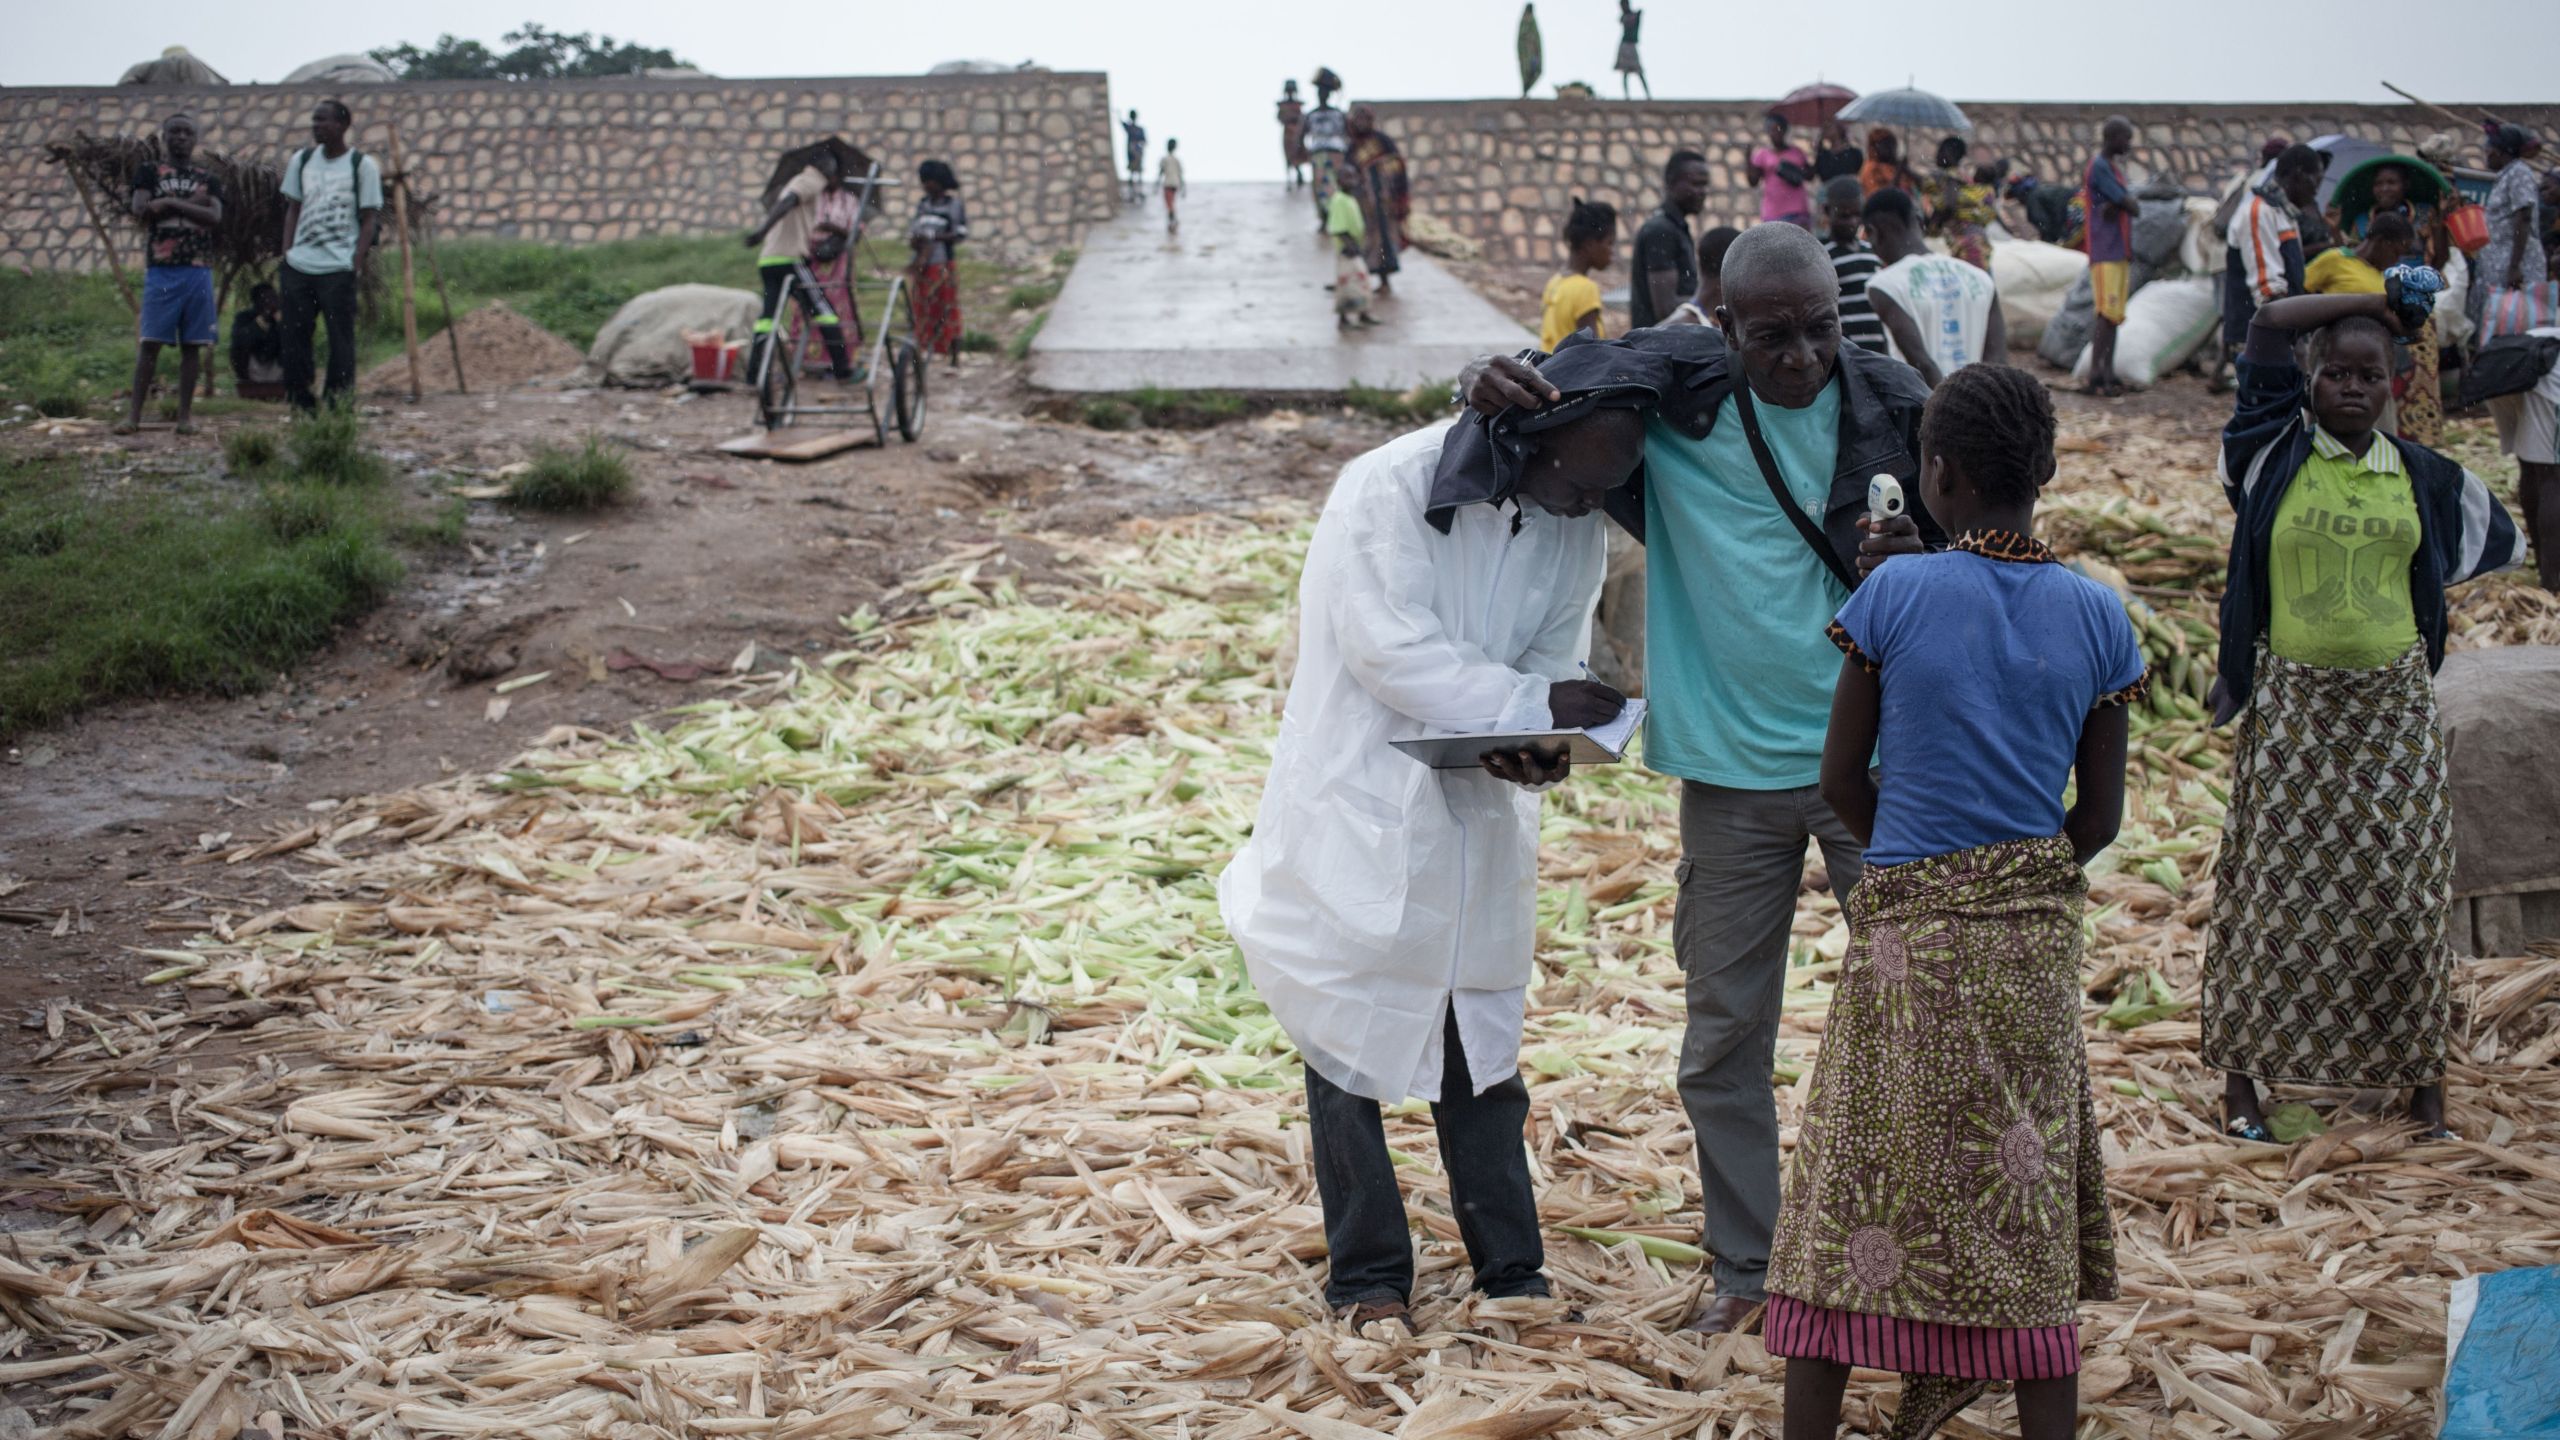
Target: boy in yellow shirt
x=1572, y=301
x=2359, y=271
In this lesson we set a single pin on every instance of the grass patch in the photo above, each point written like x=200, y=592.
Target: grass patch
x=437, y=529
x=1104, y=412
x=251, y=451
x=197, y=586
x=1426, y=401
x=1031, y=295
x=1019, y=347
x=1164, y=409
x=66, y=340
x=979, y=342
x=328, y=448
x=588, y=478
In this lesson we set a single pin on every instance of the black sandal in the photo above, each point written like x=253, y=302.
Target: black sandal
x=2240, y=1127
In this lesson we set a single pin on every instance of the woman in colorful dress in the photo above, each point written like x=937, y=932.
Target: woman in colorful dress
x=2422, y=403
x=1375, y=174
x=941, y=223
x=1947, y=1210
x=1963, y=210
x=1884, y=168
x=2513, y=258
x=2325, y=959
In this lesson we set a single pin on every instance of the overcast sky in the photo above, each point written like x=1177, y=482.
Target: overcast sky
x=1207, y=71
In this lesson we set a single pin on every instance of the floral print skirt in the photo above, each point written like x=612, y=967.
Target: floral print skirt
x=1947, y=1170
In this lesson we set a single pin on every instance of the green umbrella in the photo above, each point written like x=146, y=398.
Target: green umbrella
x=2354, y=194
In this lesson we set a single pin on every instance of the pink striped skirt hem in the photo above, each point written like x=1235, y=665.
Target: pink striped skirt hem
x=1800, y=1331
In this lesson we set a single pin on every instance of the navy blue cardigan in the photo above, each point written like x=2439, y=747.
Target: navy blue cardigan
x=2463, y=530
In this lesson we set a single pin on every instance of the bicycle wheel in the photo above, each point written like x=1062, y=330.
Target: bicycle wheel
x=778, y=389
x=906, y=390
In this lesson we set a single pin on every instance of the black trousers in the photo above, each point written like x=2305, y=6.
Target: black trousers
x=1487, y=1160
x=329, y=298
x=778, y=279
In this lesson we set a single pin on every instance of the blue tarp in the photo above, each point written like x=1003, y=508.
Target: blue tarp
x=2502, y=1341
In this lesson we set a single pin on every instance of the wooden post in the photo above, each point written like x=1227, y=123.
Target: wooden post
x=427, y=234
x=106, y=237
x=408, y=272
x=221, y=308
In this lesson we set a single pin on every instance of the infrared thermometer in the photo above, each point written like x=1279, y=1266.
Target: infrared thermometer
x=1884, y=498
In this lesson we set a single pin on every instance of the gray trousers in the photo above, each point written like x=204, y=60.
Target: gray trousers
x=1742, y=863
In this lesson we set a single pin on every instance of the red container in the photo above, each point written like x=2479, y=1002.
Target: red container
x=716, y=361
x=2468, y=227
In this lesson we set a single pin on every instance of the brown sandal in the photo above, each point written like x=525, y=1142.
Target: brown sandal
x=1371, y=1312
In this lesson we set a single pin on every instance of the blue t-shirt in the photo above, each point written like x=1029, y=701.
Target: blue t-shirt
x=1737, y=672
x=1989, y=669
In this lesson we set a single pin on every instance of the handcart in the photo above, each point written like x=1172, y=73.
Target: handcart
x=792, y=378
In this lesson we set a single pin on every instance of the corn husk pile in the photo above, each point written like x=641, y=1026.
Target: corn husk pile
x=861, y=1056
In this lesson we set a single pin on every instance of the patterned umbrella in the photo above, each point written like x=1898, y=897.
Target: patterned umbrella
x=1809, y=107
x=1908, y=109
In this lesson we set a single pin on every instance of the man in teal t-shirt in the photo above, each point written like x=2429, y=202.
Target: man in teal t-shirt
x=1739, y=670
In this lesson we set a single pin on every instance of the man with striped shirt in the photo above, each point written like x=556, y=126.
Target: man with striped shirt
x=1842, y=202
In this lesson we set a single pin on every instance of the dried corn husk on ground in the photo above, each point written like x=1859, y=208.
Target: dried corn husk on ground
x=860, y=1055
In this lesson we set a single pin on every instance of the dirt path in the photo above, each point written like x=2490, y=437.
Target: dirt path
x=114, y=828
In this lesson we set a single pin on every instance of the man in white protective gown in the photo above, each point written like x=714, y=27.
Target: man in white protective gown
x=1386, y=909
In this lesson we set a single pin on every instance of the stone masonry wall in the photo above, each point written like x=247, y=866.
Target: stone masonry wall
x=1503, y=171
x=583, y=160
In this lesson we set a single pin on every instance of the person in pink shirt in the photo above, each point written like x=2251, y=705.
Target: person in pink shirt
x=1781, y=168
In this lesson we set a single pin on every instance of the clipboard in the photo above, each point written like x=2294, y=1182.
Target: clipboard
x=1599, y=745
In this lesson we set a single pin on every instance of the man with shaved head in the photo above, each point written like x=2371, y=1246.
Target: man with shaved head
x=1752, y=506
x=182, y=203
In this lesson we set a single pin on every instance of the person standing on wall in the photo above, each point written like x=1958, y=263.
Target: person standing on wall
x=1666, y=264
x=1780, y=168
x=1293, y=133
x=1376, y=177
x=181, y=201
x=2111, y=209
x=1630, y=64
x=1939, y=313
x=1169, y=180
x=1135, y=136
x=333, y=199
x=1326, y=136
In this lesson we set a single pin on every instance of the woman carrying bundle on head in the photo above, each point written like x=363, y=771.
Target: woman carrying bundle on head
x=1947, y=1211
x=2325, y=960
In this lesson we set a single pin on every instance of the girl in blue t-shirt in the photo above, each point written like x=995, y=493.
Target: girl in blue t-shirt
x=1946, y=1212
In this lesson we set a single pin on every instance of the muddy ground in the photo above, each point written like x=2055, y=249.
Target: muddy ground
x=113, y=827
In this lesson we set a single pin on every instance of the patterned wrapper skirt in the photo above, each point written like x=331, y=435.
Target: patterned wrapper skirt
x=1946, y=1210
x=2325, y=963
x=937, y=310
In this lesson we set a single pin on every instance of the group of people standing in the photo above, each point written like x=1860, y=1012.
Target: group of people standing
x=333, y=200
x=814, y=212
x=1944, y=1212
x=1897, y=295
x=1363, y=197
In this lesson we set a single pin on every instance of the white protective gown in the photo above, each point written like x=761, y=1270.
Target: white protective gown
x=1375, y=888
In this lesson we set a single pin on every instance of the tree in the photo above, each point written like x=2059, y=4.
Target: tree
x=534, y=53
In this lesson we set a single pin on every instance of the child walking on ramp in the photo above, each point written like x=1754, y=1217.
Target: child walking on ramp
x=1946, y=1211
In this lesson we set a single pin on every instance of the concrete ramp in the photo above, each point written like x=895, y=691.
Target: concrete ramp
x=1237, y=301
